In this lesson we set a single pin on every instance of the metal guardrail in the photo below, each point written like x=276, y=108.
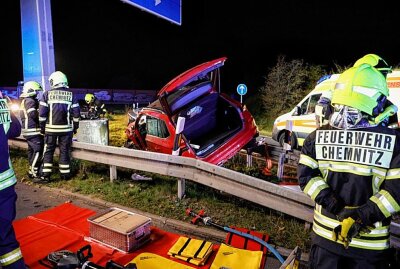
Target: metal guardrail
x=264, y=193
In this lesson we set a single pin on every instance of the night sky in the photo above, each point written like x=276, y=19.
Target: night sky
x=109, y=44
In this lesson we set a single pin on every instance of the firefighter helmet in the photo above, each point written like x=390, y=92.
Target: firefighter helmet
x=362, y=87
x=89, y=98
x=375, y=61
x=30, y=89
x=58, y=80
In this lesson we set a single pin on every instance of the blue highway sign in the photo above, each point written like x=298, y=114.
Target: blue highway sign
x=170, y=10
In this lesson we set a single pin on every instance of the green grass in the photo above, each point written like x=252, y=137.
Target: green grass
x=264, y=124
x=159, y=196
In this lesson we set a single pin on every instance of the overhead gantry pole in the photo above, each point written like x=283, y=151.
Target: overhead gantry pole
x=37, y=41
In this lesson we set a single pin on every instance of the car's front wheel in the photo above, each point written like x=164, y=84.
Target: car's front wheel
x=281, y=138
x=293, y=139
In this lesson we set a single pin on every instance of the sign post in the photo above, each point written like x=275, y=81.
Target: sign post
x=241, y=90
x=37, y=41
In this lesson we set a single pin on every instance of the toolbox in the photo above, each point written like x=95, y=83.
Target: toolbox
x=120, y=229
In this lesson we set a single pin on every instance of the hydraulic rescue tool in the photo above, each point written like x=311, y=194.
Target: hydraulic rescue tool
x=65, y=259
x=292, y=262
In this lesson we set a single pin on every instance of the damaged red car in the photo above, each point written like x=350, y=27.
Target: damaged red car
x=216, y=127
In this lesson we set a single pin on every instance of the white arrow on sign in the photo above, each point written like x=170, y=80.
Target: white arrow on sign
x=157, y=2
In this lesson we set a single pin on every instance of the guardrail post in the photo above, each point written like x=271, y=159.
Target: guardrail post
x=181, y=188
x=180, y=124
x=281, y=165
x=286, y=147
x=249, y=159
x=113, y=173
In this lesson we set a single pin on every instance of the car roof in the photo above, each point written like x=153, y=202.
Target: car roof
x=155, y=105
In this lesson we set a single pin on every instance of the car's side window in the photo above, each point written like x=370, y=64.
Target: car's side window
x=157, y=127
x=313, y=101
x=303, y=106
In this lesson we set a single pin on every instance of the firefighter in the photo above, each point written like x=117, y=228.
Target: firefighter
x=29, y=115
x=375, y=61
x=351, y=169
x=323, y=109
x=380, y=64
x=10, y=253
x=59, y=118
x=96, y=107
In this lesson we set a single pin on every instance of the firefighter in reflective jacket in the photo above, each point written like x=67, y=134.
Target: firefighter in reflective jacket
x=323, y=108
x=96, y=107
x=59, y=117
x=29, y=115
x=10, y=253
x=351, y=169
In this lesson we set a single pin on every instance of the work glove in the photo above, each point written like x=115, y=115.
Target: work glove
x=350, y=226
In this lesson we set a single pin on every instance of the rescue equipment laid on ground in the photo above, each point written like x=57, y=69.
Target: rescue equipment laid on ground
x=292, y=262
x=65, y=259
x=207, y=221
x=238, y=241
x=191, y=250
x=120, y=229
x=235, y=258
x=148, y=260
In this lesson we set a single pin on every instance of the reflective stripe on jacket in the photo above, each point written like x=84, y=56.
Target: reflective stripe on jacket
x=362, y=167
x=11, y=257
x=29, y=115
x=58, y=109
x=9, y=128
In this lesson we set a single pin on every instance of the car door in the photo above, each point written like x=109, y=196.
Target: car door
x=158, y=137
x=304, y=118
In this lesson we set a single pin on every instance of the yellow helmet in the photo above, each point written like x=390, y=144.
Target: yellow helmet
x=58, y=80
x=30, y=89
x=89, y=98
x=362, y=87
x=375, y=61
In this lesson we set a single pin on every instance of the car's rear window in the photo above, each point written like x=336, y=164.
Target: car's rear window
x=187, y=94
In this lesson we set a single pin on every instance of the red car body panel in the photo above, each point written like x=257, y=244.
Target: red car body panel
x=159, y=114
x=188, y=75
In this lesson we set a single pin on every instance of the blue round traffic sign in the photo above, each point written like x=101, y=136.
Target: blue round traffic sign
x=241, y=89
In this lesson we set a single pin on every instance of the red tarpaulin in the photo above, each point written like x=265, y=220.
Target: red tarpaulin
x=65, y=227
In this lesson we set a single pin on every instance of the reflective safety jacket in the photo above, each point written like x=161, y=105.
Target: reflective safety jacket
x=362, y=167
x=59, y=111
x=98, y=108
x=9, y=128
x=29, y=115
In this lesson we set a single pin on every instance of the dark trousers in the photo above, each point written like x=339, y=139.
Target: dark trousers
x=10, y=256
x=64, y=145
x=321, y=258
x=35, y=153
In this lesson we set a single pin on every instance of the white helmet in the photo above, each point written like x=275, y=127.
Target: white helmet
x=30, y=89
x=58, y=80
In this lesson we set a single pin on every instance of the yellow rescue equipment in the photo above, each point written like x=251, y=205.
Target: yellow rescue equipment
x=235, y=258
x=148, y=260
x=191, y=250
